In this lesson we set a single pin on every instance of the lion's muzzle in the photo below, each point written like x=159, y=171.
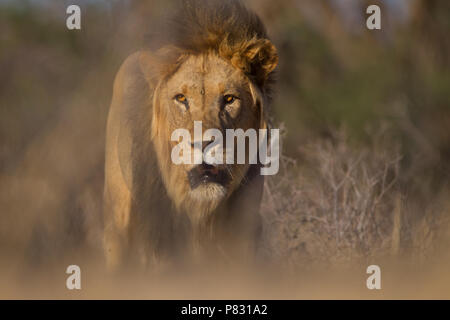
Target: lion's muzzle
x=205, y=173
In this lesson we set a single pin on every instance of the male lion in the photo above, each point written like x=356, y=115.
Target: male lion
x=215, y=65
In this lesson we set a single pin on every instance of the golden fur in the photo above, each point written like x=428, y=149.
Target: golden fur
x=151, y=210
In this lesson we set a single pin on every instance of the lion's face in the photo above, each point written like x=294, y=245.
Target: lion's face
x=209, y=89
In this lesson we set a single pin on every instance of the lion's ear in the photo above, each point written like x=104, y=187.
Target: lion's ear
x=156, y=65
x=258, y=58
x=148, y=64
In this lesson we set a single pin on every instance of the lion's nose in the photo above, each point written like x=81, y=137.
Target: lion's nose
x=204, y=143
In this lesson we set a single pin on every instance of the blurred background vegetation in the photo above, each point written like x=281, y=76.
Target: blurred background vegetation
x=334, y=76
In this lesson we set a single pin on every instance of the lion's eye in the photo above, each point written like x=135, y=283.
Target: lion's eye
x=229, y=98
x=181, y=98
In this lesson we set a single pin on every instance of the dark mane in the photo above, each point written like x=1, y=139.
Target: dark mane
x=224, y=27
x=202, y=25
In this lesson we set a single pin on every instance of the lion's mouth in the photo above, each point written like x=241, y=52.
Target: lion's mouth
x=205, y=173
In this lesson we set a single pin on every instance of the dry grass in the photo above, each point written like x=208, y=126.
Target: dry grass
x=341, y=203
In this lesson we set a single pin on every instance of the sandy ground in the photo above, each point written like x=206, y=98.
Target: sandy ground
x=399, y=280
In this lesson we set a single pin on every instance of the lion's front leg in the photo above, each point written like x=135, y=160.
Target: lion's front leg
x=242, y=223
x=116, y=230
x=113, y=244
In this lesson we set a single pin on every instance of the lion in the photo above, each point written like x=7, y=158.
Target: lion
x=215, y=64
